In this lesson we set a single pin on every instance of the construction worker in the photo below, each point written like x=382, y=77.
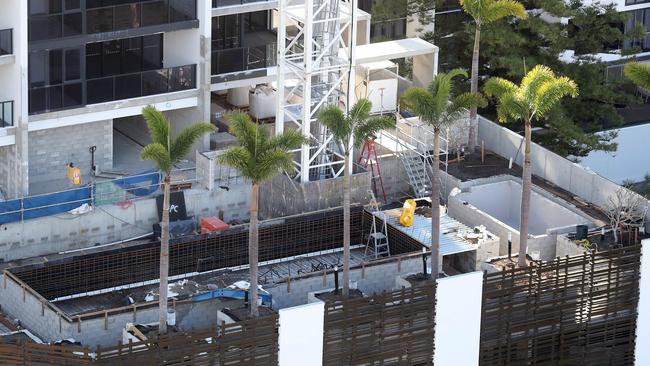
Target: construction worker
x=74, y=174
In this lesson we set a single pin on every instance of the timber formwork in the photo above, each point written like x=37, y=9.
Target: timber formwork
x=395, y=328
x=246, y=343
x=578, y=310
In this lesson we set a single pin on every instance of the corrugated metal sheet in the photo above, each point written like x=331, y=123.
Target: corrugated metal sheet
x=451, y=231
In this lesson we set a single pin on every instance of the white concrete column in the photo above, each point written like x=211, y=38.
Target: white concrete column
x=642, y=350
x=458, y=319
x=301, y=335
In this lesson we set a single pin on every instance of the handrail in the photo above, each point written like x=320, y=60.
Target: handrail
x=4, y=106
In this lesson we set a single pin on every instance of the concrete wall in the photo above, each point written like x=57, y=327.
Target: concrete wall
x=565, y=247
x=502, y=200
x=111, y=223
x=282, y=197
x=572, y=177
x=52, y=149
x=9, y=170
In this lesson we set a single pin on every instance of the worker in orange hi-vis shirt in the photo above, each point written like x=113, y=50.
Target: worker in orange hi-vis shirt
x=74, y=174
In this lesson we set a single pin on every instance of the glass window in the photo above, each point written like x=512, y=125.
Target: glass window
x=72, y=4
x=99, y=90
x=44, y=7
x=93, y=60
x=112, y=58
x=182, y=10
x=37, y=100
x=152, y=52
x=127, y=16
x=72, y=95
x=128, y=86
x=71, y=24
x=54, y=97
x=99, y=20
x=154, y=13
x=37, y=68
x=72, y=64
x=56, y=67
x=155, y=82
x=132, y=54
x=45, y=27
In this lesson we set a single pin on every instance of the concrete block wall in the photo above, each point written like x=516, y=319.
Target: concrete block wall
x=9, y=171
x=50, y=150
x=112, y=223
x=371, y=279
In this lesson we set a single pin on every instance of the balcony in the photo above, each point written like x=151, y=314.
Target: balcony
x=112, y=88
x=6, y=114
x=243, y=59
x=114, y=18
x=6, y=42
x=141, y=84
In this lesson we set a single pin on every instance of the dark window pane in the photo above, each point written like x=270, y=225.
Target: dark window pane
x=6, y=42
x=99, y=20
x=37, y=67
x=127, y=16
x=93, y=60
x=44, y=7
x=72, y=4
x=36, y=100
x=154, y=13
x=56, y=67
x=112, y=58
x=71, y=24
x=99, y=90
x=72, y=64
x=152, y=52
x=54, y=97
x=45, y=27
x=132, y=54
x=154, y=82
x=72, y=95
x=182, y=10
x=182, y=78
x=127, y=86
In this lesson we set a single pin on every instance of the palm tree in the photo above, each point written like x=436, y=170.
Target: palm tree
x=537, y=94
x=355, y=126
x=485, y=12
x=638, y=73
x=258, y=158
x=166, y=152
x=439, y=108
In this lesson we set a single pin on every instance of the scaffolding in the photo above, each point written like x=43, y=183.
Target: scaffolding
x=313, y=73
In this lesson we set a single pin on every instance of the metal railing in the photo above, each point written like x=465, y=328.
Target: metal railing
x=6, y=42
x=243, y=59
x=220, y=3
x=6, y=114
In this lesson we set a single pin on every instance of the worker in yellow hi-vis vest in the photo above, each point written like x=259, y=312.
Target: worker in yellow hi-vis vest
x=74, y=174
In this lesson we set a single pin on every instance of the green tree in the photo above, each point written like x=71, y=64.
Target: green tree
x=259, y=157
x=165, y=152
x=438, y=107
x=348, y=130
x=638, y=73
x=540, y=90
x=485, y=12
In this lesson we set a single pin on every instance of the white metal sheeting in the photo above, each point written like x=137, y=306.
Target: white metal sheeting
x=451, y=231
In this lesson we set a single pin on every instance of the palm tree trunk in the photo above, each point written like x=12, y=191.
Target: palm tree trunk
x=473, y=115
x=253, y=248
x=164, y=259
x=435, y=205
x=525, y=199
x=346, y=227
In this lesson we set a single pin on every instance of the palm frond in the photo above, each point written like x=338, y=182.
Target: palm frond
x=158, y=125
x=239, y=158
x=552, y=92
x=472, y=7
x=496, y=87
x=186, y=138
x=534, y=79
x=418, y=101
x=369, y=128
x=272, y=163
x=638, y=73
x=288, y=140
x=510, y=106
x=159, y=155
x=360, y=110
x=467, y=101
x=336, y=122
x=243, y=128
x=495, y=10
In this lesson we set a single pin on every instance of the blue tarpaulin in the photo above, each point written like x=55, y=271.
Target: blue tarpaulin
x=135, y=186
x=44, y=205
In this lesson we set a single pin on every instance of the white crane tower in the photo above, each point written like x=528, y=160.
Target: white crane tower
x=316, y=46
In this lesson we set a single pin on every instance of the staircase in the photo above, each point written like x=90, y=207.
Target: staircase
x=416, y=170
